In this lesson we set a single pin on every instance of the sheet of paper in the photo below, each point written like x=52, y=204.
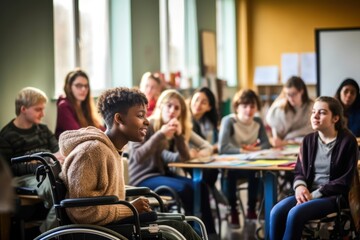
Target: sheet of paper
x=289, y=66
x=265, y=75
x=308, y=67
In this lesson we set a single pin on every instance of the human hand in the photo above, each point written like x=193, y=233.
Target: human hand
x=141, y=204
x=278, y=142
x=251, y=147
x=302, y=194
x=59, y=157
x=168, y=129
x=175, y=123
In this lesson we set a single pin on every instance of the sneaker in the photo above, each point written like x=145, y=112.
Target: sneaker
x=251, y=214
x=234, y=219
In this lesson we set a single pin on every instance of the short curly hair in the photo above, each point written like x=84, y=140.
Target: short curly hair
x=118, y=100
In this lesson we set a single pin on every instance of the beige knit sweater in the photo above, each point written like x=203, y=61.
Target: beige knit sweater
x=92, y=167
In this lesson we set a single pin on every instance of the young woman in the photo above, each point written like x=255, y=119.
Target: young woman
x=289, y=115
x=240, y=132
x=324, y=169
x=167, y=140
x=205, y=122
x=349, y=96
x=150, y=85
x=76, y=109
x=204, y=115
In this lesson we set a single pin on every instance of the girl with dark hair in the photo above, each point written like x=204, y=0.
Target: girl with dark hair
x=204, y=115
x=289, y=115
x=349, y=96
x=76, y=109
x=324, y=169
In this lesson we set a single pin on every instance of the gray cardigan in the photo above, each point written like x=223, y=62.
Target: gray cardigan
x=226, y=135
x=150, y=157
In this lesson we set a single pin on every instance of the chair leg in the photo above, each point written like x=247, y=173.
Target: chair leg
x=214, y=194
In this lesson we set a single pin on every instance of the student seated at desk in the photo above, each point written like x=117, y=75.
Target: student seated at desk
x=349, y=96
x=167, y=140
x=205, y=123
x=289, y=115
x=93, y=165
x=324, y=169
x=25, y=134
x=242, y=132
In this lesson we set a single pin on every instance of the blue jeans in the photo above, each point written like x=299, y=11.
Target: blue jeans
x=287, y=219
x=229, y=184
x=184, y=187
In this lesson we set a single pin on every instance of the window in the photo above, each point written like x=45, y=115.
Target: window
x=179, y=39
x=81, y=38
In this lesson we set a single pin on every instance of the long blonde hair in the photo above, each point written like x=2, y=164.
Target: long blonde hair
x=184, y=117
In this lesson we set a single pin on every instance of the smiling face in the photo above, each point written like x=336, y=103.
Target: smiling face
x=294, y=96
x=348, y=95
x=134, y=123
x=170, y=109
x=199, y=105
x=322, y=119
x=80, y=88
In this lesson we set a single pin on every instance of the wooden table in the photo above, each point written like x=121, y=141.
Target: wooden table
x=268, y=173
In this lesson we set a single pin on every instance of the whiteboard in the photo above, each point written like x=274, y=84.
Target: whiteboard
x=337, y=58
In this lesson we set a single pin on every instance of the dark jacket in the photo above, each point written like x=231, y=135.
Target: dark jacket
x=343, y=163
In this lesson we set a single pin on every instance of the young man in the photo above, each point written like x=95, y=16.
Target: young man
x=25, y=135
x=93, y=165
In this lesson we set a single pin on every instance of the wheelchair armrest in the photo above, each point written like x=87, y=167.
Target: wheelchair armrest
x=90, y=201
x=26, y=191
x=136, y=191
x=144, y=191
x=171, y=216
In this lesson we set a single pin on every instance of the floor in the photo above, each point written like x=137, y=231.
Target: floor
x=248, y=228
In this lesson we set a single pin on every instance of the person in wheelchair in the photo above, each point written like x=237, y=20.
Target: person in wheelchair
x=168, y=139
x=25, y=134
x=324, y=170
x=93, y=165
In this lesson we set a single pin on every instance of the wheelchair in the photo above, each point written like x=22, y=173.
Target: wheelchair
x=336, y=225
x=143, y=226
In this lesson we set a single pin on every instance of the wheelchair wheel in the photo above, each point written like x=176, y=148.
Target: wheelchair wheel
x=80, y=231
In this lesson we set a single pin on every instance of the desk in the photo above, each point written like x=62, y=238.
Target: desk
x=270, y=181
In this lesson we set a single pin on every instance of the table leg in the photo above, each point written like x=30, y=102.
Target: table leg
x=197, y=177
x=270, y=194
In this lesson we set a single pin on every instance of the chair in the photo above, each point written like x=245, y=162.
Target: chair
x=342, y=224
x=129, y=227
x=336, y=225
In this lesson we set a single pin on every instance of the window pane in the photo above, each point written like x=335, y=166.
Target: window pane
x=94, y=42
x=64, y=41
x=176, y=35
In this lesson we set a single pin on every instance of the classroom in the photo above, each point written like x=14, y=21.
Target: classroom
x=222, y=44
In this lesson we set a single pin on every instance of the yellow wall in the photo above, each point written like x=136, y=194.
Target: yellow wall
x=268, y=28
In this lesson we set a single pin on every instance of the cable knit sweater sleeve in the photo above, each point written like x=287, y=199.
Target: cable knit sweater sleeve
x=93, y=169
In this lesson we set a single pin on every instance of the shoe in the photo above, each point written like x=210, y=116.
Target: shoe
x=234, y=220
x=251, y=214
